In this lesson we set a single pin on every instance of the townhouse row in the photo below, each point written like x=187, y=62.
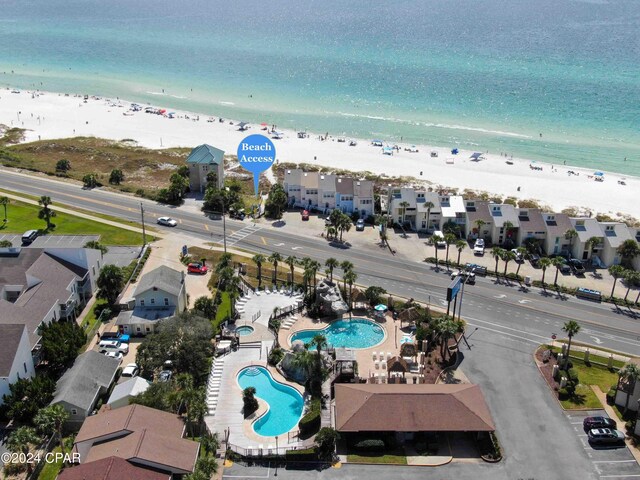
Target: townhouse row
x=507, y=225
x=326, y=192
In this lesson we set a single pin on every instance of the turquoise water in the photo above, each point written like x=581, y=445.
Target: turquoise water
x=479, y=74
x=285, y=403
x=354, y=333
x=244, y=330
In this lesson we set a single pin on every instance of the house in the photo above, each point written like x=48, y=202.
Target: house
x=79, y=389
x=124, y=391
x=363, y=201
x=15, y=356
x=161, y=293
x=615, y=234
x=403, y=205
x=202, y=161
x=143, y=436
x=309, y=189
x=635, y=233
x=557, y=225
x=292, y=185
x=326, y=191
x=479, y=221
x=586, y=229
x=410, y=409
x=453, y=210
x=344, y=194
x=428, y=211
x=111, y=468
x=532, y=227
x=43, y=285
x=504, y=224
x=628, y=392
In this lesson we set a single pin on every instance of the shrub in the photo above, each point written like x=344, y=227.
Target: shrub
x=307, y=455
x=611, y=395
x=249, y=400
x=275, y=356
x=563, y=394
x=572, y=375
x=370, y=445
x=310, y=422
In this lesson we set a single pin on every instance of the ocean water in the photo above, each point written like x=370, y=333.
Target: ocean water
x=552, y=80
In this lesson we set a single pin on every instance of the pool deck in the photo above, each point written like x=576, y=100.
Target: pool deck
x=229, y=414
x=364, y=356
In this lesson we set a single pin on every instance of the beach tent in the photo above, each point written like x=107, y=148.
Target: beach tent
x=477, y=156
x=376, y=143
x=455, y=151
x=242, y=126
x=387, y=151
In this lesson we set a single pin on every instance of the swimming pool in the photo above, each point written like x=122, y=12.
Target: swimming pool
x=285, y=402
x=354, y=333
x=244, y=330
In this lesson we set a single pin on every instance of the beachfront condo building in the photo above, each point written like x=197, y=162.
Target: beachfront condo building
x=424, y=211
x=205, y=162
x=324, y=192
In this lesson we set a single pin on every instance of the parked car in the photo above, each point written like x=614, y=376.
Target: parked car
x=605, y=436
x=469, y=276
x=360, y=225
x=131, y=370
x=577, y=266
x=165, y=375
x=113, y=346
x=167, y=221
x=519, y=258
x=565, y=267
x=305, y=215
x=197, y=268
x=534, y=259
x=29, y=236
x=590, y=423
x=478, y=247
x=117, y=355
x=441, y=242
x=477, y=269
x=120, y=337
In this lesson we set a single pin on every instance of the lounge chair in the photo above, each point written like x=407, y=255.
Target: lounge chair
x=374, y=356
x=377, y=364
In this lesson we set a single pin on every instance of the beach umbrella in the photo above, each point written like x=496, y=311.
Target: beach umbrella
x=263, y=124
x=455, y=151
x=599, y=174
x=380, y=308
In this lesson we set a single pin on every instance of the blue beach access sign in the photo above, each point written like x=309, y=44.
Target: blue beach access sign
x=256, y=153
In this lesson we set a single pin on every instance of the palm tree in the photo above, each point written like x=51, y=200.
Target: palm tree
x=631, y=278
x=479, y=224
x=522, y=251
x=628, y=250
x=570, y=235
x=591, y=243
x=616, y=271
x=507, y=256
x=350, y=278
x=331, y=263
x=331, y=232
x=404, y=206
x=346, y=267
x=544, y=264
x=225, y=261
x=429, y=206
x=344, y=224
x=4, y=201
x=320, y=342
x=314, y=266
x=259, y=259
x=45, y=212
x=274, y=258
x=291, y=261
x=21, y=440
x=507, y=227
x=571, y=328
x=50, y=420
x=460, y=246
x=630, y=373
x=497, y=253
x=434, y=240
x=449, y=239
x=307, y=274
x=557, y=262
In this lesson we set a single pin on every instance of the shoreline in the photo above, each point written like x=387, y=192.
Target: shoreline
x=48, y=115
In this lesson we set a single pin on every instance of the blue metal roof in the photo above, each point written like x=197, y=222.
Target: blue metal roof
x=206, y=154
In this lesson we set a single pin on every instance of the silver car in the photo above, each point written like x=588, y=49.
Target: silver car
x=167, y=222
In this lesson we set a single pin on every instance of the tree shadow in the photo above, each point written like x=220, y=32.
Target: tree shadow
x=279, y=224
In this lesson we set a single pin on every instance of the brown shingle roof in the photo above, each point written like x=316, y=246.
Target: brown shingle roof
x=146, y=447
x=10, y=337
x=411, y=408
x=130, y=419
x=112, y=468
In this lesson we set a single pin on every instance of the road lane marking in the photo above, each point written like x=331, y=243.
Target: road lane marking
x=206, y=227
x=264, y=241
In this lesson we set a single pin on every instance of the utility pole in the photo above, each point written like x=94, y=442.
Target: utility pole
x=144, y=233
x=224, y=229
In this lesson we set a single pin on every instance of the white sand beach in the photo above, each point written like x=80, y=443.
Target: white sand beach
x=51, y=115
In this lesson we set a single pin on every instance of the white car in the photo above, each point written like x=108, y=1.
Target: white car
x=131, y=370
x=478, y=247
x=167, y=222
x=117, y=355
x=479, y=243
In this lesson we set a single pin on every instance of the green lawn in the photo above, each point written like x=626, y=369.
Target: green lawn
x=51, y=470
x=224, y=310
x=579, y=356
x=377, y=458
x=23, y=217
x=583, y=397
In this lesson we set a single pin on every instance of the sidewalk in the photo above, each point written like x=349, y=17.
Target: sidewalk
x=592, y=350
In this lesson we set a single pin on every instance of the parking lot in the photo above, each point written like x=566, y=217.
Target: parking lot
x=609, y=461
x=52, y=241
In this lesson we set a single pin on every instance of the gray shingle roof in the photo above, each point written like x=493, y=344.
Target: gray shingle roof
x=80, y=384
x=163, y=278
x=131, y=387
x=206, y=154
x=10, y=336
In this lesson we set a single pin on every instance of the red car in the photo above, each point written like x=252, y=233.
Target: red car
x=197, y=268
x=305, y=215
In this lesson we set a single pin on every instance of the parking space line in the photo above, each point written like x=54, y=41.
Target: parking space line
x=613, y=461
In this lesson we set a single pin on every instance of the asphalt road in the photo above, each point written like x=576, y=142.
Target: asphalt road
x=504, y=310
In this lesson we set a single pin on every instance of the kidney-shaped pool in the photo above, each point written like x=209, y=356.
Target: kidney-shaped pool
x=354, y=333
x=285, y=402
